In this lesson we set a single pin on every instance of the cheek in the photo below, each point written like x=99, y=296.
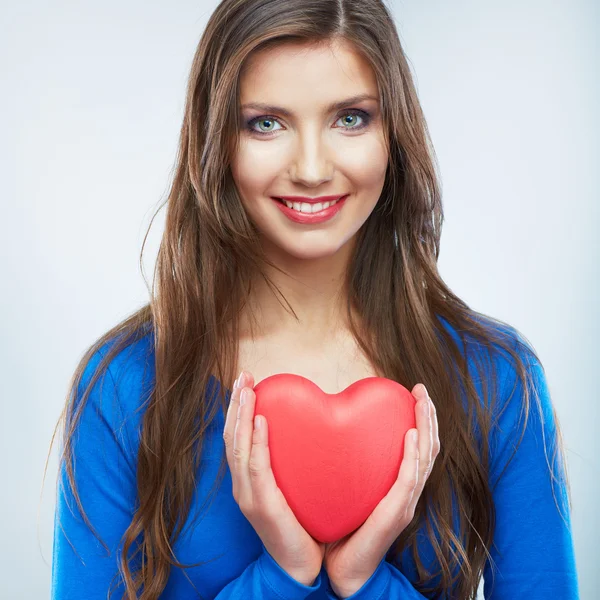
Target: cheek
x=254, y=166
x=366, y=164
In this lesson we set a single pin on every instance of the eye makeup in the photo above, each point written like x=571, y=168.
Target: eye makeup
x=363, y=114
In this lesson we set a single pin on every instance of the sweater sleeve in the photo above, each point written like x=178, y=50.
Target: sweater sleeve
x=387, y=582
x=532, y=555
x=104, y=473
x=265, y=579
x=104, y=451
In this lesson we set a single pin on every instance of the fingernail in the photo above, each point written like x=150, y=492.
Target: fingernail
x=424, y=390
x=245, y=396
x=239, y=382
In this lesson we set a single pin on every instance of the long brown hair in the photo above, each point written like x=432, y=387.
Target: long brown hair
x=210, y=254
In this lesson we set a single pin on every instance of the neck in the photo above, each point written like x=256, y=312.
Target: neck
x=315, y=289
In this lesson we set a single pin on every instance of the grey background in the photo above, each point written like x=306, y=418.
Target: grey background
x=90, y=111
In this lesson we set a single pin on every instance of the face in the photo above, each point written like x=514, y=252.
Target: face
x=302, y=146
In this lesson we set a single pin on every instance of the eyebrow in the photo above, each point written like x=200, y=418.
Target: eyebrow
x=334, y=106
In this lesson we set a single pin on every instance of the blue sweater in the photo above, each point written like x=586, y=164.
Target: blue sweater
x=532, y=554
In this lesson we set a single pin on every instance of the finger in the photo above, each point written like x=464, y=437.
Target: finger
x=230, y=417
x=398, y=499
x=245, y=379
x=231, y=422
x=424, y=426
x=262, y=478
x=435, y=430
x=427, y=438
x=242, y=445
x=408, y=477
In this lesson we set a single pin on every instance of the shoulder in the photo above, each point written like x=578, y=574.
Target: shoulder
x=131, y=371
x=489, y=358
x=509, y=368
x=492, y=352
x=117, y=392
x=518, y=401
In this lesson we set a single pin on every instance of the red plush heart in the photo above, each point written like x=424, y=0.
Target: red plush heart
x=334, y=456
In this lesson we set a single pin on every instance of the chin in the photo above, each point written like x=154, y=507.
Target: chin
x=304, y=252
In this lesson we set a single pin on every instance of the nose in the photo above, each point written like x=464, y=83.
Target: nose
x=312, y=162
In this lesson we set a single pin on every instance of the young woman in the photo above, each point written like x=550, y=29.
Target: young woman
x=166, y=489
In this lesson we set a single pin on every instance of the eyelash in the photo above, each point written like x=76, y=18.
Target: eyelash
x=366, y=117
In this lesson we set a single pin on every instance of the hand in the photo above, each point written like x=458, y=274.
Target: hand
x=351, y=561
x=256, y=491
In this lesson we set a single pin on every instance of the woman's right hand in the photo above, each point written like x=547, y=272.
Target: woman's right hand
x=256, y=491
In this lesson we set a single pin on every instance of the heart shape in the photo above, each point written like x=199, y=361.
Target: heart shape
x=334, y=456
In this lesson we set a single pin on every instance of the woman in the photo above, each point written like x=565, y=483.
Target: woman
x=163, y=466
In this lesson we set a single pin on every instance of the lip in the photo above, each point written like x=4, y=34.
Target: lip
x=318, y=217
x=311, y=200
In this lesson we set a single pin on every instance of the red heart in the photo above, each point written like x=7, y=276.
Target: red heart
x=334, y=456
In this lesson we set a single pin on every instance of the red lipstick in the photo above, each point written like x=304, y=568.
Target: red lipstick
x=309, y=218
x=311, y=200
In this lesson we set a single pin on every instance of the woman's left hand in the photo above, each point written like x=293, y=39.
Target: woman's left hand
x=351, y=561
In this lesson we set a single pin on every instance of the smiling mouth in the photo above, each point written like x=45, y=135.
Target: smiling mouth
x=309, y=208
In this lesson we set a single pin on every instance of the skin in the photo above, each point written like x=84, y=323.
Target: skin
x=313, y=152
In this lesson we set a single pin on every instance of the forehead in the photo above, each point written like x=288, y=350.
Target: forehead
x=293, y=72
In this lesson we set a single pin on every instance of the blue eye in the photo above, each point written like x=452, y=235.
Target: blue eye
x=365, y=116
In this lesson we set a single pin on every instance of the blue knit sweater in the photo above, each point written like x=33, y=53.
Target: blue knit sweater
x=532, y=555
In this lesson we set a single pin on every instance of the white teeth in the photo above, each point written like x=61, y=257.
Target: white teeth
x=305, y=207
